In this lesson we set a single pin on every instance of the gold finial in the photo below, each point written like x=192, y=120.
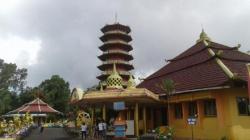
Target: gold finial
x=131, y=82
x=238, y=46
x=114, y=68
x=219, y=53
x=248, y=52
x=101, y=86
x=114, y=80
x=203, y=37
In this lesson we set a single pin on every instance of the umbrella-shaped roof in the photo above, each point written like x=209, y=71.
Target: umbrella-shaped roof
x=35, y=106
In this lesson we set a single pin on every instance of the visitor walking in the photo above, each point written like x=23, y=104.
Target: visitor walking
x=84, y=129
x=96, y=130
x=42, y=128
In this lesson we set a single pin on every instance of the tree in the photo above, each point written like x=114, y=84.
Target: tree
x=27, y=95
x=11, y=77
x=168, y=86
x=5, y=101
x=12, y=82
x=56, y=92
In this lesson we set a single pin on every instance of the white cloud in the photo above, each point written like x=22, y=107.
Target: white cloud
x=69, y=33
x=15, y=49
x=7, y=6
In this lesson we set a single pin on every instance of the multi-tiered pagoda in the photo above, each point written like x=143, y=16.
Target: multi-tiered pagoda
x=116, y=50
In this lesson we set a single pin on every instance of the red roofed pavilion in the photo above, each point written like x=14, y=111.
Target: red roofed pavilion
x=35, y=106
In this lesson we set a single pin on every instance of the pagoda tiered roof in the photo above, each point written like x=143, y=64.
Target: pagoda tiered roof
x=115, y=49
x=116, y=35
x=206, y=65
x=110, y=27
x=108, y=64
x=115, y=53
x=116, y=44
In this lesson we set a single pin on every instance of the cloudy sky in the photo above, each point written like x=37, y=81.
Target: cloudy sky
x=61, y=36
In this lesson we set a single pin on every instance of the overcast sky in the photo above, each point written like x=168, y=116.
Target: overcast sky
x=62, y=36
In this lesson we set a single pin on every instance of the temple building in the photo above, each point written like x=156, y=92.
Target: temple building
x=115, y=49
x=143, y=109
x=211, y=87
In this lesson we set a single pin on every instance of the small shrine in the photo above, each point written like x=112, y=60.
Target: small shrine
x=37, y=108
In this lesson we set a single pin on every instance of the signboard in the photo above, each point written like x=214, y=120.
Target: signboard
x=191, y=121
x=119, y=105
x=130, y=127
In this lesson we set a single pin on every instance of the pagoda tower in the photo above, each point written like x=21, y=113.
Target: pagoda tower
x=115, y=49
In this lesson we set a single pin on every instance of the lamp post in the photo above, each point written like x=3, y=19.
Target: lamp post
x=248, y=81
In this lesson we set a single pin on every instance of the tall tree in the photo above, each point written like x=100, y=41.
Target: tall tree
x=56, y=92
x=168, y=86
x=11, y=77
x=12, y=81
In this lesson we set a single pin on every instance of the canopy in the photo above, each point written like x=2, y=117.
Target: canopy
x=36, y=106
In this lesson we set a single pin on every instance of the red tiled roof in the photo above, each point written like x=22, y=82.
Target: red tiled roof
x=35, y=106
x=196, y=68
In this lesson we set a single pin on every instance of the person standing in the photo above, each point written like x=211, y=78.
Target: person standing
x=100, y=129
x=104, y=125
x=84, y=129
x=96, y=130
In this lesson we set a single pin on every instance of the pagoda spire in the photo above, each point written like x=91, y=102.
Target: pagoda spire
x=203, y=36
x=116, y=17
x=131, y=82
x=114, y=80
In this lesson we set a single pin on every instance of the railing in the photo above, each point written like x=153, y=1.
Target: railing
x=116, y=61
x=116, y=51
x=115, y=31
x=120, y=72
x=116, y=41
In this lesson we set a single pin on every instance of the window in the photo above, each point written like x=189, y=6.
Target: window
x=210, y=107
x=242, y=103
x=192, y=109
x=178, y=111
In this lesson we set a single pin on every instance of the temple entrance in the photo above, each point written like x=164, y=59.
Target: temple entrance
x=146, y=118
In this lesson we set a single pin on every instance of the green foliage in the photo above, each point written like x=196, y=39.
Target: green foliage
x=12, y=77
x=27, y=95
x=56, y=92
x=5, y=101
x=165, y=132
x=12, y=81
x=167, y=86
x=13, y=92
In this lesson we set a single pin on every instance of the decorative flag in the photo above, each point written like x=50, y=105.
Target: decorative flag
x=248, y=78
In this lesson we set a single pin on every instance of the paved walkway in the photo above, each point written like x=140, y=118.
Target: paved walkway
x=50, y=134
